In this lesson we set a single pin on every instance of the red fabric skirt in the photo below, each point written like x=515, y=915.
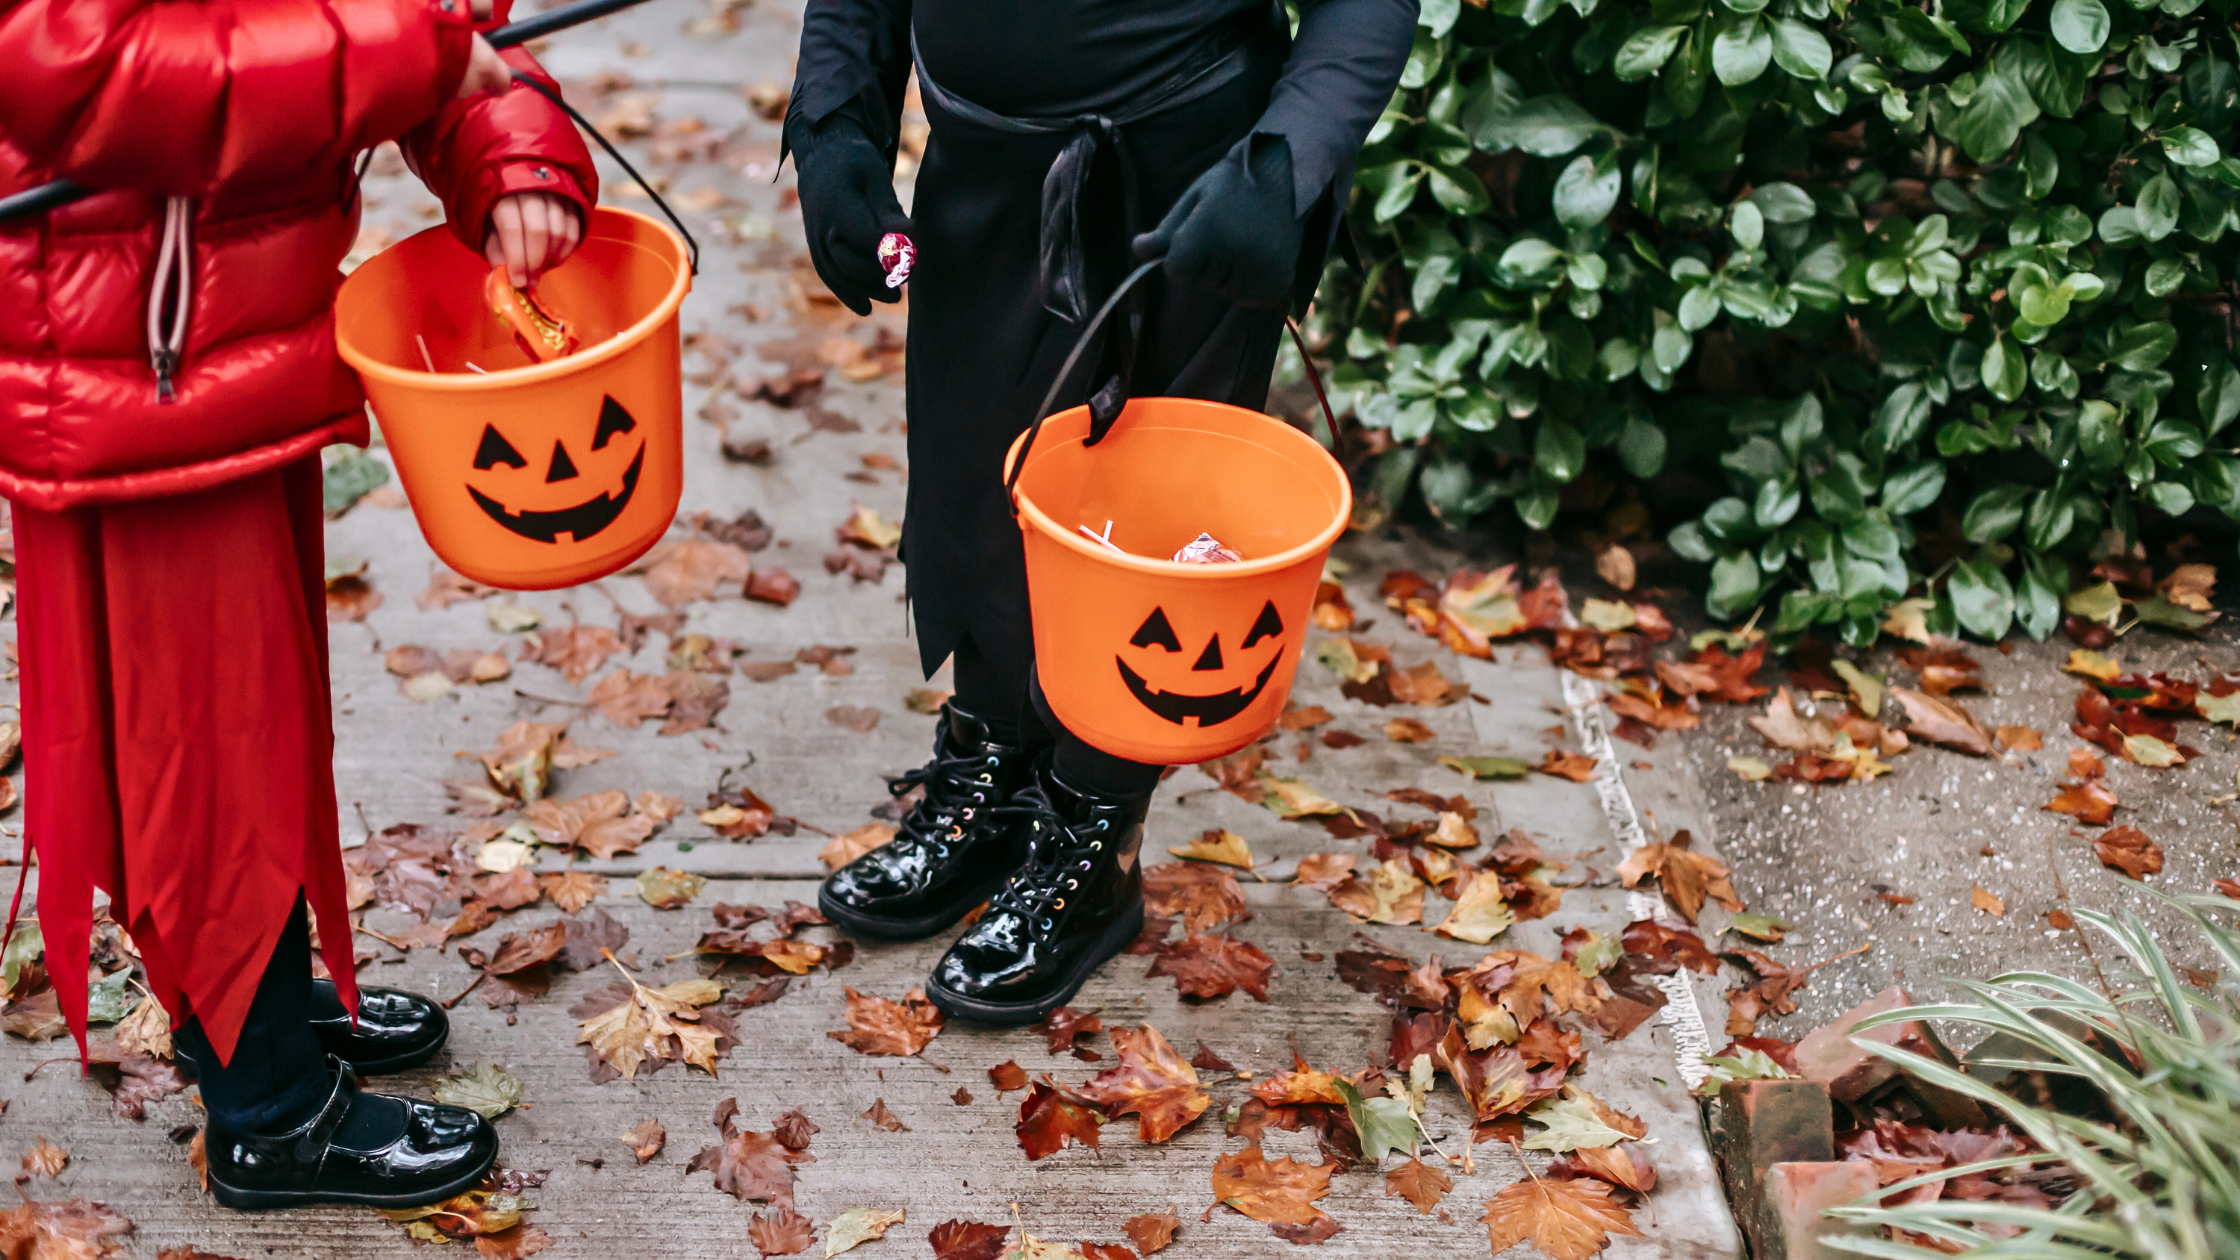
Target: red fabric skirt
x=178, y=745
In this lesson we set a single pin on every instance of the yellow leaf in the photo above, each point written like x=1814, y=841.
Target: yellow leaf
x=2092, y=665
x=1292, y=798
x=1480, y=914
x=2146, y=750
x=1866, y=688
x=1909, y=619
x=1218, y=845
x=1608, y=615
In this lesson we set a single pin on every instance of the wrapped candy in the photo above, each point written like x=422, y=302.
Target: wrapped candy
x=541, y=336
x=1206, y=549
x=896, y=256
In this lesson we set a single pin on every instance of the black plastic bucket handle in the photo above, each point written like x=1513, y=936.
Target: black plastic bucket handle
x=1088, y=334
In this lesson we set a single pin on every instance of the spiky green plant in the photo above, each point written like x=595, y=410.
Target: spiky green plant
x=2162, y=1181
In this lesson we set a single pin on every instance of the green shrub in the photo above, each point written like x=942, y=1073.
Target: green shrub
x=1935, y=296
x=2159, y=1177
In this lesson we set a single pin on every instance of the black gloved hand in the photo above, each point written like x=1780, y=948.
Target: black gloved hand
x=1235, y=230
x=847, y=204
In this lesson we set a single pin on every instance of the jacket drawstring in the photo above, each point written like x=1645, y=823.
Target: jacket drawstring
x=174, y=279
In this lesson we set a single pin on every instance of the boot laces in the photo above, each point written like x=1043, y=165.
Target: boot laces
x=1059, y=854
x=957, y=787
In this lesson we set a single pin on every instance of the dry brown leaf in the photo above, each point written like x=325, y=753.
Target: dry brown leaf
x=1049, y=1116
x=1688, y=877
x=1565, y=1220
x=843, y=849
x=645, y=1141
x=2021, y=738
x=1279, y=1193
x=690, y=569
x=1419, y=1183
x=1408, y=730
x=781, y=1231
x=2090, y=802
x=1202, y=896
x=878, y=1026
x=1152, y=1231
x=1217, y=844
x=1987, y=903
x=1151, y=1081
x=1943, y=722
x=45, y=1159
x=2128, y=849
x=573, y=890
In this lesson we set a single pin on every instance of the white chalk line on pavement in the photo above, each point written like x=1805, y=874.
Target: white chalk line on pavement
x=1691, y=1038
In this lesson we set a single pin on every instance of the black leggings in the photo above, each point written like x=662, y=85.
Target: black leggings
x=278, y=1078
x=1008, y=696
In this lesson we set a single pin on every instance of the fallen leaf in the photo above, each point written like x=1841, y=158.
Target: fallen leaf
x=1623, y=1166
x=1324, y=870
x=46, y=1159
x=2189, y=586
x=1151, y=1081
x=1408, y=730
x=1489, y=767
x=2089, y=802
x=1579, y=1119
x=859, y=718
x=571, y=891
x=750, y=1166
x=1480, y=914
x=1987, y=903
x=1063, y=1029
x=576, y=651
x=1202, y=896
x=1749, y=768
x=1293, y=798
x=1008, y=1075
x=1419, y=1183
x=1218, y=844
x=1687, y=877
x=1212, y=965
x=967, y=1240
x=665, y=889
x=486, y=1089
x=866, y=528
x=1390, y=894
x=878, y=1026
x=1279, y=1193
x=2021, y=738
x=146, y=1031
x=1152, y=1231
x=881, y=1118
x=1295, y=718
x=1577, y=767
x=928, y=700
x=843, y=849
x=857, y=1226
x=645, y=1140
x=678, y=573
x=1564, y=1220
x=2092, y=665
x=1943, y=722
x=781, y=1231
x=2128, y=849
x=627, y=1028
x=1050, y=1115
x=1331, y=611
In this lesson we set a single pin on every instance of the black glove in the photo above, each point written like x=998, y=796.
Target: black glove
x=847, y=204
x=1234, y=230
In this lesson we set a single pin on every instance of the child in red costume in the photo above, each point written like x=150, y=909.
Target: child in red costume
x=167, y=378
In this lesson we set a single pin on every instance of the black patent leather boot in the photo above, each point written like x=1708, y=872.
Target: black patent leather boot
x=1076, y=902
x=395, y=1030
x=424, y=1153
x=952, y=850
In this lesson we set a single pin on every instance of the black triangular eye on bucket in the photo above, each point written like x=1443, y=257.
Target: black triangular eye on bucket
x=1269, y=624
x=612, y=420
x=562, y=468
x=1156, y=630
x=495, y=450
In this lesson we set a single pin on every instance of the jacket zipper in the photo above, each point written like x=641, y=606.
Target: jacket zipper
x=174, y=279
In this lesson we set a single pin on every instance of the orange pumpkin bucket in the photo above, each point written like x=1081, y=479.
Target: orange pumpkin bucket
x=528, y=475
x=1158, y=661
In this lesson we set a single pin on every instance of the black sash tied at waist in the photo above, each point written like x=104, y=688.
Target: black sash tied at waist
x=1065, y=280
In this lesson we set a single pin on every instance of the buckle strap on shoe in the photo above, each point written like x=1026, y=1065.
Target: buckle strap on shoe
x=314, y=1140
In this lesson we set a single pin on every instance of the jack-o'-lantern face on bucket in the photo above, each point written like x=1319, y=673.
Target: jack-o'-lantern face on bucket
x=502, y=494
x=1193, y=694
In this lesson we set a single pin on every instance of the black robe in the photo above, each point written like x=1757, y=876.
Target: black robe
x=983, y=344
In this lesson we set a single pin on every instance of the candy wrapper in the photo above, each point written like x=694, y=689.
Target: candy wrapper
x=1206, y=549
x=541, y=336
x=896, y=256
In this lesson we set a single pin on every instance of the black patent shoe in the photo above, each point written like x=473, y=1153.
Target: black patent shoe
x=952, y=850
x=395, y=1029
x=435, y=1152
x=1076, y=902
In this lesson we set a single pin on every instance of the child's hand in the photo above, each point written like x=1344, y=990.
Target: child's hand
x=487, y=74
x=531, y=233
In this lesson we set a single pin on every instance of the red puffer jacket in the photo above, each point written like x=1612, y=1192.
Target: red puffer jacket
x=225, y=127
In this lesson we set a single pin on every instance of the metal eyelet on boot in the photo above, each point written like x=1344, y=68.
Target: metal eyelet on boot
x=1059, y=904
x=1071, y=884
